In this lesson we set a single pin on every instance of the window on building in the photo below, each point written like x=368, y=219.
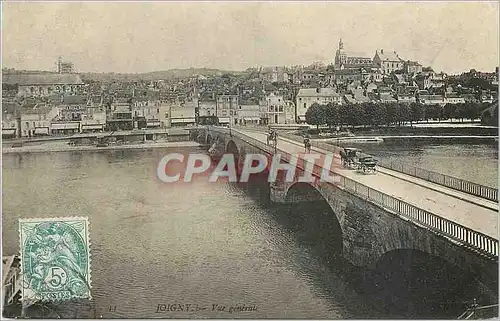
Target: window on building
x=305, y=105
x=34, y=124
x=157, y=110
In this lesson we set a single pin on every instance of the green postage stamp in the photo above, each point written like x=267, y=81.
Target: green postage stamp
x=55, y=258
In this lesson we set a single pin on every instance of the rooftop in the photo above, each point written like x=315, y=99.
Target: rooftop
x=42, y=79
x=317, y=92
x=38, y=109
x=75, y=100
x=387, y=56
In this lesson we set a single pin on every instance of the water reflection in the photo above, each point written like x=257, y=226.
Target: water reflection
x=473, y=162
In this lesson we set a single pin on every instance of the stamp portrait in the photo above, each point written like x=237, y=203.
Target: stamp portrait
x=55, y=258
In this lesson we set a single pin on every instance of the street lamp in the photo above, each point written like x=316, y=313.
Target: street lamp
x=230, y=117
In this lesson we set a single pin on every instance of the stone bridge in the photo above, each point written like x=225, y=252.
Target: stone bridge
x=372, y=226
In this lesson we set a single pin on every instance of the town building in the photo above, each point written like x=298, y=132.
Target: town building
x=37, y=120
x=388, y=61
x=226, y=105
x=10, y=125
x=309, y=96
x=453, y=99
x=38, y=85
x=73, y=107
x=64, y=67
x=119, y=114
x=273, y=74
x=432, y=99
x=180, y=116
x=356, y=96
x=94, y=120
x=248, y=113
x=278, y=110
x=412, y=67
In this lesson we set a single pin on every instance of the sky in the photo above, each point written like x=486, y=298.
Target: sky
x=140, y=37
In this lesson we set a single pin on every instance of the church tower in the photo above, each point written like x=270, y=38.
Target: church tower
x=340, y=56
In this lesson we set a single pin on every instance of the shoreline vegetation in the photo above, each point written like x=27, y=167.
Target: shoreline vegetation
x=367, y=116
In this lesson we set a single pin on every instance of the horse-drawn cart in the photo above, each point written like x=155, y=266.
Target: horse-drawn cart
x=367, y=164
x=349, y=157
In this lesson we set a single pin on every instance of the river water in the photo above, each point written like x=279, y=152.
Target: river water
x=474, y=162
x=195, y=243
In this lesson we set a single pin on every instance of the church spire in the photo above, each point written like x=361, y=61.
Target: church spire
x=341, y=44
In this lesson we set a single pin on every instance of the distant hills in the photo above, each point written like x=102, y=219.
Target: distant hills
x=148, y=76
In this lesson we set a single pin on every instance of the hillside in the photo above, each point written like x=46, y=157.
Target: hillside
x=155, y=75
x=149, y=76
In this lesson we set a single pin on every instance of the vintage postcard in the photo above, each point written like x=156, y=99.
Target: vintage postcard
x=250, y=160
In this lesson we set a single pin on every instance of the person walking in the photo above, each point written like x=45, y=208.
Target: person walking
x=307, y=144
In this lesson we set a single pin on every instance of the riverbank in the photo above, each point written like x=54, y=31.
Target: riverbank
x=64, y=147
x=478, y=139
x=173, y=134
x=399, y=131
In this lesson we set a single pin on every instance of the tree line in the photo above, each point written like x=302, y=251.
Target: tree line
x=375, y=114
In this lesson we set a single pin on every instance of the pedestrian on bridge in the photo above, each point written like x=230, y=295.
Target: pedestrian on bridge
x=307, y=144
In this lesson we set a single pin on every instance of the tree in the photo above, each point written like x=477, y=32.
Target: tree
x=375, y=113
x=392, y=113
x=315, y=115
x=471, y=110
x=356, y=115
x=495, y=115
x=331, y=113
x=433, y=112
x=416, y=112
x=344, y=111
x=460, y=112
x=404, y=113
x=448, y=111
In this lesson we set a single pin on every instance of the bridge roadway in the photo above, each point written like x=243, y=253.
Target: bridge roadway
x=464, y=209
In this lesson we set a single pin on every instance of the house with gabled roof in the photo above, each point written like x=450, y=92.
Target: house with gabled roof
x=388, y=61
x=306, y=97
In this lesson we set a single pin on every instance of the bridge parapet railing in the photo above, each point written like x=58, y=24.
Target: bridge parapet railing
x=473, y=239
x=458, y=184
x=455, y=183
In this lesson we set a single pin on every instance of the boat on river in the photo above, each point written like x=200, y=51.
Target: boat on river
x=363, y=140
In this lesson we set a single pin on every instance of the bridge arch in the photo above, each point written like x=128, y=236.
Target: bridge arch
x=309, y=207
x=416, y=282
x=232, y=148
